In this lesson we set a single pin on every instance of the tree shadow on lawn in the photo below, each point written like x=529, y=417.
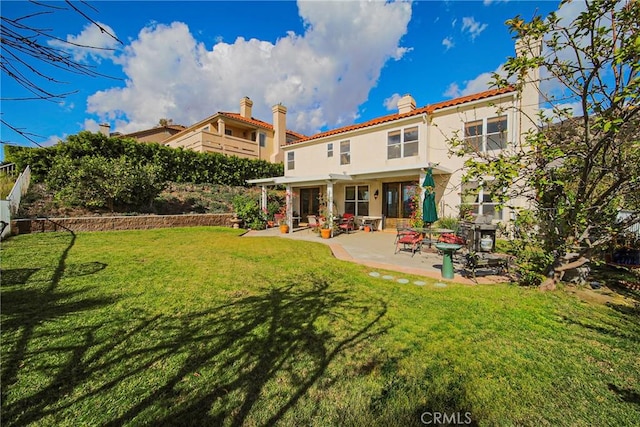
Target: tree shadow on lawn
x=262, y=351
x=253, y=358
x=25, y=307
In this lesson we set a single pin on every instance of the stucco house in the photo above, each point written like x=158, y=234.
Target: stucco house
x=238, y=134
x=152, y=135
x=371, y=169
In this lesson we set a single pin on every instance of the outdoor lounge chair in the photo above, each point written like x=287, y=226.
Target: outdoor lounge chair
x=409, y=241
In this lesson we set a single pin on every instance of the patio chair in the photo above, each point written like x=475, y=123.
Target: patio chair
x=402, y=229
x=409, y=241
x=347, y=223
x=313, y=222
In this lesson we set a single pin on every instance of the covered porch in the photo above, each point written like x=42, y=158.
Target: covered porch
x=378, y=198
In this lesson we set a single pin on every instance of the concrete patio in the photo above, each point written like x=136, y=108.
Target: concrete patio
x=376, y=250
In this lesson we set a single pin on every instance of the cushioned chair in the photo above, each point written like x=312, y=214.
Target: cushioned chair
x=410, y=241
x=347, y=223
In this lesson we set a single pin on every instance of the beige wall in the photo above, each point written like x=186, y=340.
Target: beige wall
x=369, y=152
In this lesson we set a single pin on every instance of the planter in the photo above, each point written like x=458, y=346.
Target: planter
x=325, y=233
x=284, y=228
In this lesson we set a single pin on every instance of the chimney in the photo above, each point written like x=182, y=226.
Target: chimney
x=245, y=107
x=280, y=131
x=530, y=94
x=105, y=129
x=406, y=104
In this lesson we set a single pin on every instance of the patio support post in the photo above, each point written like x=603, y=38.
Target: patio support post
x=263, y=198
x=330, y=204
x=289, y=208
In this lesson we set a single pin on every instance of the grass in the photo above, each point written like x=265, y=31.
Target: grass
x=200, y=327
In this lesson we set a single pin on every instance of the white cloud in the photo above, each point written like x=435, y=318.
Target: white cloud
x=479, y=84
x=53, y=140
x=473, y=27
x=448, y=43
x=391, y=103
x=92, y=43
x=321, y=76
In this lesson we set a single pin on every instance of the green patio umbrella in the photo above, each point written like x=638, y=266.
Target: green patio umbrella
x=429, y=213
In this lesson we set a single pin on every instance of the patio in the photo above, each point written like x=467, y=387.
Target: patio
x=376, y=250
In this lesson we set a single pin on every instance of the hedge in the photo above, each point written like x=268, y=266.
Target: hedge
x=177, y=165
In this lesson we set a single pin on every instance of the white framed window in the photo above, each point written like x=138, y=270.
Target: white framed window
x=330, y=149
x=345, y=152
x=262, y=139
x=356, y=199
x=402, y=143
x=291, y=160
x=480, y=201
x=487, y=134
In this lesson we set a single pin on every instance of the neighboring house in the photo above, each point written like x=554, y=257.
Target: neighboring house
x=157, y=134
x=238, y=134
x=373, y=168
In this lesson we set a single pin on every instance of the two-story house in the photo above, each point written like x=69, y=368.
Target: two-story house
x=372, y=169
x=238, y=134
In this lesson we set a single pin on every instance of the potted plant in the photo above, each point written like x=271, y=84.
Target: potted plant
x=326, y=218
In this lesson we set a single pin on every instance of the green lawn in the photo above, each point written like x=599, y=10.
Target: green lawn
x=197, y=326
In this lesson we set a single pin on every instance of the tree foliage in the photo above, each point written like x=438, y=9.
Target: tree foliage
x=582, y=164
x=175, y=165
x=100, y=182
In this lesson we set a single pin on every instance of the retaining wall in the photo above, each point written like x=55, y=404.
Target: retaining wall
x=108, y=223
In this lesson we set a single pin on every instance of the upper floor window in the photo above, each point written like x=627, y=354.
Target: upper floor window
x=345, y=152
x=263, y=139
x=228, y=132
x=330, y=149
x=291, y=162
x=402, y=143
x=486, y=134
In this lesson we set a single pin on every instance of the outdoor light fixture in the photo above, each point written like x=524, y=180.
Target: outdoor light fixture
x=375, y=195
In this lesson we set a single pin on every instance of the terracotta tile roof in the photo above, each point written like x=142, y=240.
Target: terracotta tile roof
x=257, y=122
x=429, y=109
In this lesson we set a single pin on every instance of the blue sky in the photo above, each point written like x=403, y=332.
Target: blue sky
x=330, y=63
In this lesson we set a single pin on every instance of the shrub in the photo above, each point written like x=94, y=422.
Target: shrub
x=97, y=182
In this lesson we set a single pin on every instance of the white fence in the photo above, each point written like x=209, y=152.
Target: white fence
x=10, y=206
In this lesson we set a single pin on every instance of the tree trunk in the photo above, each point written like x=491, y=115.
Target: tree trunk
x=557, y=273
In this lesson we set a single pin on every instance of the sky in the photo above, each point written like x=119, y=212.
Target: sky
x=331, y=63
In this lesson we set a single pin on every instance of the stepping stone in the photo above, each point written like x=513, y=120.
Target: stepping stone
x=419, y=283
x=402, y=281
x=387, y=277
x=374, y=274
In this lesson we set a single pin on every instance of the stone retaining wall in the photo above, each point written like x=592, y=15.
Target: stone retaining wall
x=107, y=223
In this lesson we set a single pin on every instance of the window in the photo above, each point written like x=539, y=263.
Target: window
x=263, y=139
x=291, y=163
x=356, y=199
x=486, y=134
x=480, y=200
x=330, y=149
x=402, y=143
x=228, y=132
x=345, y=153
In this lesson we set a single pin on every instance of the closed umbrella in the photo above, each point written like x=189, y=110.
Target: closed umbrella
x=429, y=213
